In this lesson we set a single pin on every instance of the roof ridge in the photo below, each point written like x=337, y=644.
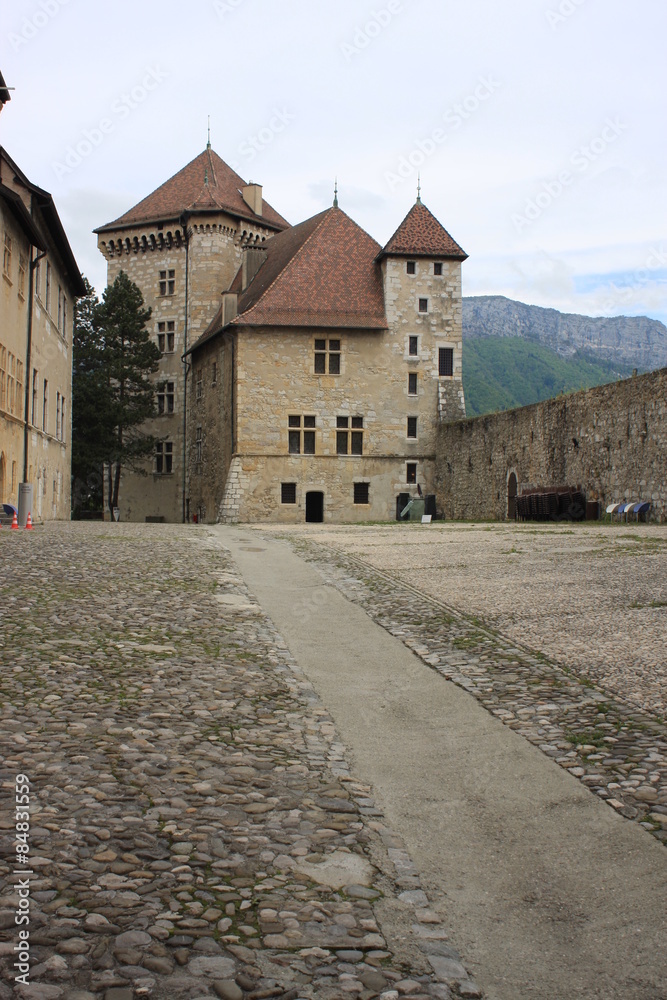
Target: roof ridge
x=292, y=259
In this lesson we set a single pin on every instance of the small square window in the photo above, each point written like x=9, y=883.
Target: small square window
x=309, y=421
x=445, y=361
x=423, y=305
x=294, y=421
x=342, y=421
x=288, y=492
x=412, y=427
x=412, y=384
x=357, y=421
x=411, y=267
x=411, y=472
x=437, y=269
x=413, y=346
x=361, y=492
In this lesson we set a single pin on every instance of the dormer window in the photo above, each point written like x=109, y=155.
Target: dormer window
x=411, y=267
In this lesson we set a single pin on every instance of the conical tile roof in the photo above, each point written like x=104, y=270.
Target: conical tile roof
x=421, y=235
x=206, y=184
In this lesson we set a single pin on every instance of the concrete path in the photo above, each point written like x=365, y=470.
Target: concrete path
x=547, y=892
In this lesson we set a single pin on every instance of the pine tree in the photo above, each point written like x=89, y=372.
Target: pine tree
x=130, y=358
x=113, y=392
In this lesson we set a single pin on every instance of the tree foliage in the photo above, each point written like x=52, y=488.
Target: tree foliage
x=113, y=393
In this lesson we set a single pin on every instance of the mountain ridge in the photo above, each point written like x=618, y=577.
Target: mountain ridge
x=624, y=341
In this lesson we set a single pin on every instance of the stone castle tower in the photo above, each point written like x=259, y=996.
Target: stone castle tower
x=182, y=246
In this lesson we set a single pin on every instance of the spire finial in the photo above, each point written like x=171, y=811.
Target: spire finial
x=419, y=188
x=335, y=202
x=208, y=143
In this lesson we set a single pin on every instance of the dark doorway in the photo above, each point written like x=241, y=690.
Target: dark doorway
x=315, y=507
x=402, y=500
x=511, y=497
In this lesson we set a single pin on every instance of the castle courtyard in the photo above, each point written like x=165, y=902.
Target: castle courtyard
x=320, y=762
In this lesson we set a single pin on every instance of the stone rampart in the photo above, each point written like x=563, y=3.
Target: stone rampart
x=611, y=441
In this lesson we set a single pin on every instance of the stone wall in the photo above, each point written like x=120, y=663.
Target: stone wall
x=611, y=441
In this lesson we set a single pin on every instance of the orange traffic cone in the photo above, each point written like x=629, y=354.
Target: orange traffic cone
x=15, y=522
x=28, y=524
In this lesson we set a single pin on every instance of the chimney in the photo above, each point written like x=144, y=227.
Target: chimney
x=230, y=307
x=252, y=196
x=253, y=258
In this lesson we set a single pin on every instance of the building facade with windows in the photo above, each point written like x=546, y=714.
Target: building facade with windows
x=38, y=288
x=318, y=363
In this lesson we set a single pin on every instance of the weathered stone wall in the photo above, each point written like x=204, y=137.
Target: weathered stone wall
x=610, y=440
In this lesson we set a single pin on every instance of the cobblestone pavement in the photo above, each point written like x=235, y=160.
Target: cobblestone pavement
x=194, y=828
x=610, y=743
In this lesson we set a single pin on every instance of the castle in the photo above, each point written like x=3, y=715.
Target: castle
x=305, y=369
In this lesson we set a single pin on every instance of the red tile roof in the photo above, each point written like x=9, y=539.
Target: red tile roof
x=206, y=184
x=421, y=235
x=320, y=273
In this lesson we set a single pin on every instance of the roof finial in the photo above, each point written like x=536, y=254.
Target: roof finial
x=208, y=144
x=335, y=203
x=419, y=188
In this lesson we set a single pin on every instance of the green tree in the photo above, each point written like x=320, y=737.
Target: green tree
x=130, y=358
x=91, y=400
x=113, y=393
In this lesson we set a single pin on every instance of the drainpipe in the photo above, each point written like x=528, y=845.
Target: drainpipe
x=186, y=366
x=28, y=360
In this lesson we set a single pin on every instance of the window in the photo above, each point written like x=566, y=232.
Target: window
x=60, y=309
x=327, y=357
x=48, y=288
x=412, y=383
x=288, y=492
x=58, y=415
x=11, y=374
x=411, y=472
x=349, y=435
x=361, y=492
x=445, y=361
x=45, y=407
x=301, y=435
x=19, y=403
x=199, y=385
x=38, y=278
x=165, y=337
x=3, y=377
x=214, y=373
x=165, y=398
x=423, y=305
x=7, y=257
x=413, y=346
x=411, y=267
x=22, y=269
x=64, y=316
x=437, y=269
x=167, y=282
x=34, y=397
x=62, y=418
x=412, y=427
x=164, y=458
x=199, y=443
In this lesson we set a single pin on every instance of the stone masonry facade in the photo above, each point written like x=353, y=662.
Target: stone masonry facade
x=610, y=440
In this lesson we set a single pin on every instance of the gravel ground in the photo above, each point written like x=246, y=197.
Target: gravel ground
x=592, y=598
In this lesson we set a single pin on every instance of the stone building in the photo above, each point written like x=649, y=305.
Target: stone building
x=39, y=285
x=318, y=364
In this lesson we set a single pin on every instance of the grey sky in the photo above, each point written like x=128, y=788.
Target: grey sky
x=538, y=125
